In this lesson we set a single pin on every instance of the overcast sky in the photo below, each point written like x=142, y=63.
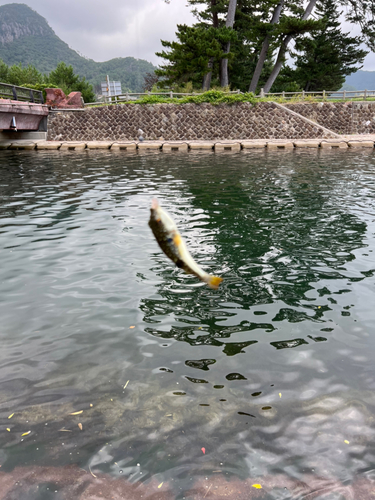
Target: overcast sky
x=104, y=29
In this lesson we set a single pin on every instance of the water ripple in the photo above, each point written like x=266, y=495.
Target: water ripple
x=270, y=374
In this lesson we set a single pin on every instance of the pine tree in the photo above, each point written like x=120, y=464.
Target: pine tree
x=262, y=31
x=189, y=57
x=324, y=58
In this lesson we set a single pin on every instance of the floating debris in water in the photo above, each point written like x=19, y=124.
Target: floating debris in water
x=125, y=386
x=80, y=426
x=10, y=416
x=25, y=433
x=76, y=412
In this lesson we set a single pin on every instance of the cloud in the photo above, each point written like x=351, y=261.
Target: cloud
x=119, y=28
x=103, y=30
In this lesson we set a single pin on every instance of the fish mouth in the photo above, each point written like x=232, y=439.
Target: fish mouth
x=154, y=204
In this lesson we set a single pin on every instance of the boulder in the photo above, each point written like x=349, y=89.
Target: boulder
x=57, y=99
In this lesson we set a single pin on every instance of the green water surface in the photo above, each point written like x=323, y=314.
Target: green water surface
x=272, y=373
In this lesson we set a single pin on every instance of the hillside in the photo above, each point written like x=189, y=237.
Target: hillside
x=362, y=80
x=27, y=38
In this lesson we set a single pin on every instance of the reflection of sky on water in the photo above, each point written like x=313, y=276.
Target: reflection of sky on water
x=272, y=372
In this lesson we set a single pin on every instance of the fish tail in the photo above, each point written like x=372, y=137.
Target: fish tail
x=213, y=281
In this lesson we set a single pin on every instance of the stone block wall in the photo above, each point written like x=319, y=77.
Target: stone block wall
x=172, y=122
x=340, y=117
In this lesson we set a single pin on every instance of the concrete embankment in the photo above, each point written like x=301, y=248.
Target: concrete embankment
x=347, y=142
x=188, y=126
x=184, y=122
x=193, y=122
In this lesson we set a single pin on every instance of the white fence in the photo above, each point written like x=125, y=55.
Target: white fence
x=322, y=95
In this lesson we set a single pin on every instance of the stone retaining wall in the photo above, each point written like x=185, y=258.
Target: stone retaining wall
x=340, y=117
x=170, y=122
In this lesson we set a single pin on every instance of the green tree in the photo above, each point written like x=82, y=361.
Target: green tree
x=271, y=25
x=294, y=21
x=3, y=72
x=17, y=75
x=324, y=58
x=64, y=78
x=189, y=57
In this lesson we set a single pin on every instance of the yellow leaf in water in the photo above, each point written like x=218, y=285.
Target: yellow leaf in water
x=8, y=429
x=160, y=485
x=80, y=426
x=125, y=386
x=10, y=416
x=280, y=394
x=258, y=486
x=25, y=433
x=346, y=441
x=91, y=472
x=76, y=413
x=131, y=326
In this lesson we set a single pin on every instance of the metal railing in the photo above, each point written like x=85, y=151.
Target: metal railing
x=324, y=95
x=23, y=94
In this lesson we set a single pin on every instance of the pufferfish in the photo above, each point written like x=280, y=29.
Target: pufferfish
x=172, y=244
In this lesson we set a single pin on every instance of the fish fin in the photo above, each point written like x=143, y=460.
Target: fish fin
x=213, y=281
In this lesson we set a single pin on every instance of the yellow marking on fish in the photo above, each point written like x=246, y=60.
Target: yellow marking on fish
x=177, y=240
x=214, y=282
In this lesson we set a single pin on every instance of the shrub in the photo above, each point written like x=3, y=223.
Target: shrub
x=211, y=96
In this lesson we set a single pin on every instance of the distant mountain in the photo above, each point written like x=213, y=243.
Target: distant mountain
x=27, y=38
x=361, y=80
